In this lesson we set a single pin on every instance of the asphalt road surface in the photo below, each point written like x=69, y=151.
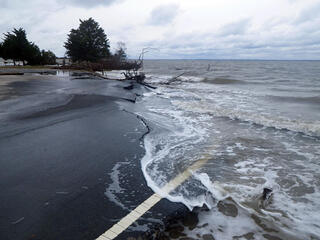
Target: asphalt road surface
x=70, y=158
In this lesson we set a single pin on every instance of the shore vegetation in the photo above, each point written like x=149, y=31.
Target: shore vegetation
x=87, y=47
x=16, y=46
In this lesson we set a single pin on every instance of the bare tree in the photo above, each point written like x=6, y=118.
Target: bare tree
x=120, y=53
x=135, y=73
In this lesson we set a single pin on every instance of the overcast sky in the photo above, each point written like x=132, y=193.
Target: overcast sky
x=217, y=29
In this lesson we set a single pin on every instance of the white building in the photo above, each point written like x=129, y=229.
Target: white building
x=63, y=61
x=9, y=62
x=1, y=61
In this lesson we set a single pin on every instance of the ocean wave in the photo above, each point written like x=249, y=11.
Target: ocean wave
x=291, y=99
x=169, y=153
x=274, y=121
x=237, y=127
x=172, y=79
x=243, y=160
x=295, y=89
x=221, y=80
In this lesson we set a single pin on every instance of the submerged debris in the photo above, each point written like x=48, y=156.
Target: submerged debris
x=267, y=192
x=266, y=196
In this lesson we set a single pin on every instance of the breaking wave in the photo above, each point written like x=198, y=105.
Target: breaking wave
x=311, y=100
x=311, y=128
x=220, y=80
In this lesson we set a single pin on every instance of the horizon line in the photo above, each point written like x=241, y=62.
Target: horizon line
x=223, y=59
x=228, y=59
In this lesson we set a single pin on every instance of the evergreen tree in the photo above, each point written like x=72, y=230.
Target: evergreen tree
x=48, y=58
x=15, y=45
x=33, y=56
x=1, y=50
x=87, y=43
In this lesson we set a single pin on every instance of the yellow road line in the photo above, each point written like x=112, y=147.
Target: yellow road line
x=135, y=214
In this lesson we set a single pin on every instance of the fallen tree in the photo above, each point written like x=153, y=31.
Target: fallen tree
x=135, y=73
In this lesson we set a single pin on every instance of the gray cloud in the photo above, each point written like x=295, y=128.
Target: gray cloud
x=253, y=45
x=17, y=5
x=4, y=3
x=77, y=3
x=235, y=28
x=309, y=14
x=89, y=3
x=163, y=14
x=288, y=36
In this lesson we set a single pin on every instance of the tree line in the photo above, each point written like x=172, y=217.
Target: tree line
x=88, y=44
x=16, y=46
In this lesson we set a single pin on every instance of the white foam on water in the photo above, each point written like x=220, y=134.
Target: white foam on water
x=179, y=137
x=224, y=227
x=215, y=188
x=114, y=188
x=170, y=79
x=267, y=120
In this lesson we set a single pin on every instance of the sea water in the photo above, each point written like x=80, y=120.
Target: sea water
x=259, y=123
